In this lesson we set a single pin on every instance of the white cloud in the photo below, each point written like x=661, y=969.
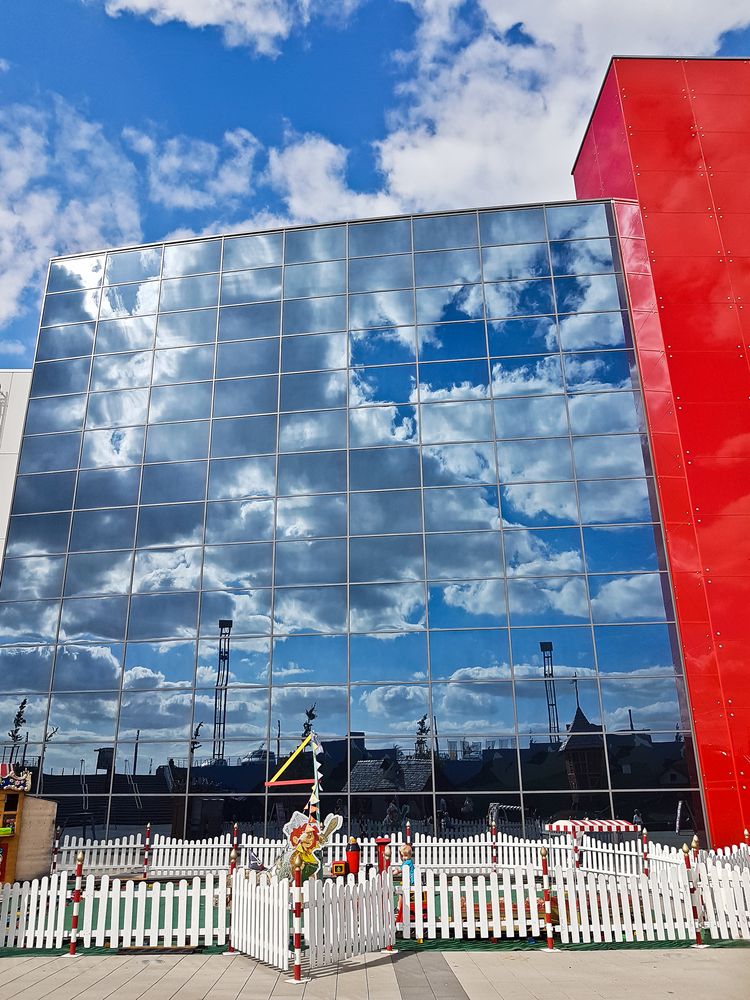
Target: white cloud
x=4, y=66
x=13, y=347
x=63, y=188
x=191, y=174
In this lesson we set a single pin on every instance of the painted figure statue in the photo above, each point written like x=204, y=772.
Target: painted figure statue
x=305, y=837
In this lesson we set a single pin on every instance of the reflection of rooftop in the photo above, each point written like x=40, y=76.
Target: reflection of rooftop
x=392, y=773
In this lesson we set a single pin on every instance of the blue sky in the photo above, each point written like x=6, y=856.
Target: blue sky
x=129, y=120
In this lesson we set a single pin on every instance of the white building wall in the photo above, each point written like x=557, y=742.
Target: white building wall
x=14, y=394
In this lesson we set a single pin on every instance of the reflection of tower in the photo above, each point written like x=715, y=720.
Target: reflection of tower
x=220, y=694
x=549, y=684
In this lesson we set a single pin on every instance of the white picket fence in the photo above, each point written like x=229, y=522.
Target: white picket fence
x=344, y=918
x=122, y=854
x=724, y=899
x=115, y=913
x=261, y=911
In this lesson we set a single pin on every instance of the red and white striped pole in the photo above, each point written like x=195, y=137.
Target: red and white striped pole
x=695, y=844
x=644, y=843
x=146, y=850
x=493, y=837
x=235, y=834
x=576, y=852
x=55, y=849
x=691, y=883
x=297, y=918
x=547, y=900
x=230, y=886
x=76, y=904
x=408, y=831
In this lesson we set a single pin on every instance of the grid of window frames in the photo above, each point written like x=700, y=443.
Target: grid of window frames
x=407, y=459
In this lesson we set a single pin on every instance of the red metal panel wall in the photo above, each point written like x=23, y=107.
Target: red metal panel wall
x=675, y=135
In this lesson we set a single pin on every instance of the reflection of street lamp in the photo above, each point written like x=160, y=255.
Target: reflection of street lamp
x=220, y=693
x=549, y=684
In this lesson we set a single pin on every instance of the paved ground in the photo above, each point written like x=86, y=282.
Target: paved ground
x=430, y=975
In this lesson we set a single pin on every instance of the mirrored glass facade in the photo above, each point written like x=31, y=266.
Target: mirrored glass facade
x=407, y=461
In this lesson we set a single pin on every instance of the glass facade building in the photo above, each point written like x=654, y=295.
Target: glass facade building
x=407, y=460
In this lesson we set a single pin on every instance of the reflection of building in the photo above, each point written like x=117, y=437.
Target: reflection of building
x=14, y=394
x=407, y=458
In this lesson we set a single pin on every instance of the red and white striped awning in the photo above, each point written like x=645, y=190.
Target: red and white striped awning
x=592, y=826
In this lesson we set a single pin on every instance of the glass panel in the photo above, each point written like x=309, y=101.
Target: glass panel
x=129, y=300
x=237, y=567
x=168, y=714
x=87, y=668
x=84, y=717
x=593, y=372
x=383, y=425
x=539, y=505
x=525, y=225
x=577, y=706
x=567, y=222
x=382, y=347
x=592, y=330
x=248, y=664
x=49, y=453
x=191, y=258
x=32, y=578
x=642, y=597
x=637, y=650
x=301, y=563
x=37, y=534
x=394, y=384
x=315, y=315
x=610, y=457
x=178, y=329
x=589, y=294
x=177, y=442
x=70, y=307
x=135, y=334
x=447, y=267
x=57, y=413
x=388, y=657
x=470, y=656
x=75, y=272
x=26, y=668
x=529, y=260
x=29, y=621
x=385, y=512
x=534, y=461
x=375, y=309
x=448, y=465
x=468, y=379
x=122, y=371
x=315, y=244
x=186, y=364
x=248, y=395
x=101, y=619
x=122, y=446
x=384, y=469
x=519, y=298
x=109, y=409
x=456, y=422
x=374, y=273
x=250, y=286
x=55, y=377
x=454, y=341
x=243, y=435
x=543, y=553
x=614, y=550
x=322, y=472
x=389, y=607
x=184, y=402
x=239, y=521
x=249, y=610
x=112, y=487
x=382, y=709
x=480, y=603
x=313, y=353
x=643, y=704
x=438, y=305
x=312, y=431
x=103, y=529
x=522, y=336
x=602, y=413
x=252, y=251
x=314, y=659
x=310, y=609
x=626, y=500
x=549, y=601
x=440, y=232
x=582, y=257
x=571, y=649
x=393, y=236
x=133, y=265
x=239, y=478
x=461, y=509
x=464, y=556
x=522, y=376
x=152, y=616
x=40, y=493
x=179, y=524
x=301, y=280
x=168, y=569
x=250, y=357
x=313, y=391
x=307, y=517
x=98, y=573
x=388, y=557
x=531, y=416
x=250, y=322
x=65, y=342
